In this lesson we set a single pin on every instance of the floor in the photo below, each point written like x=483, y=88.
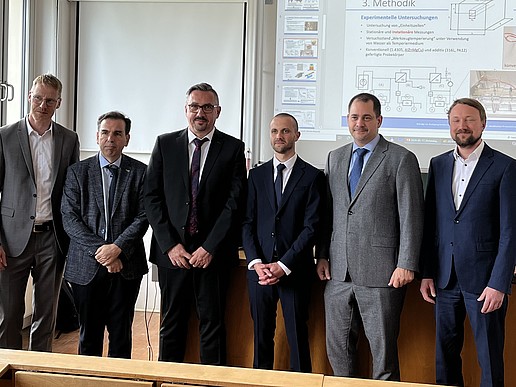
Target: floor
x=145, y=341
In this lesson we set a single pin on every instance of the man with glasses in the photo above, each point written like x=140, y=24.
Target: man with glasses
x=34, y=155
x=194, y=191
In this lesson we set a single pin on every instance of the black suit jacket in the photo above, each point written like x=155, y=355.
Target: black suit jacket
x=219, y=201
x=84, y=218
x=293, y=228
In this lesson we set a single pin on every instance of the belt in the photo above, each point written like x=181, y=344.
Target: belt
x=42, y=227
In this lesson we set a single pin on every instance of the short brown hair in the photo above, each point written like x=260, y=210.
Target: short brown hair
x=48, y=80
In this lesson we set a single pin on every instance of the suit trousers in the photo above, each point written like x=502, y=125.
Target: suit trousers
x=106, y=302
x=180, y=289
x=42, y=259
x=379, y=309
x=451, y=306
x=295, y=298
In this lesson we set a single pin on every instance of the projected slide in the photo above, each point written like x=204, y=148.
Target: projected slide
x=416, y=56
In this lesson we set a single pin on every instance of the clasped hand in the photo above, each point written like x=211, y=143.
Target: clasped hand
x=268, y=273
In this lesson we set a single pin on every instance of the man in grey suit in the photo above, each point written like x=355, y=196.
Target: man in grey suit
x=376, y=194
x=34, y=155
x=104, y=216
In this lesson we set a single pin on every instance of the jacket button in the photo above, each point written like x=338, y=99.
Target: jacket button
x=272, y=234
x=456, y=221
x=350, y=212
x=34, y=195
x=32, y=217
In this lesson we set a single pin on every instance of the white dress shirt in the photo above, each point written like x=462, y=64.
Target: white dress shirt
x=462, y=171
x=42, y=151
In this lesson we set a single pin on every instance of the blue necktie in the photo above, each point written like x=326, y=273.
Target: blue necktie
x=354, y=176
x=193, y=226
x=278, y=184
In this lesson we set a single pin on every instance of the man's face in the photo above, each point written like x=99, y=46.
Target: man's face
x=200, y=122
x=283, y=135
x=112, y=139
x=362, y=122
x=466, y=126
x=44, y=101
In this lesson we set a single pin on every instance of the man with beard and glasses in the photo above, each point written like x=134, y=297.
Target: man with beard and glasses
x=194, y=192
x=468, y=252
x=280, y=229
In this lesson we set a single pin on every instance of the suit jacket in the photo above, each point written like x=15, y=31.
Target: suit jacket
x=381, y=228
x=18, y=185
x=219, y=199
x=84, y=218
x=293, y=228
x=479, y=237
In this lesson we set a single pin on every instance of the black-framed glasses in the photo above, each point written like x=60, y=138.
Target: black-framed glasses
x=207, y=108
x=37, y=99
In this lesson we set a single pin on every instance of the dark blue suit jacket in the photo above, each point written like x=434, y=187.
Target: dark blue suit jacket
x=481, y=234
x=293, y=227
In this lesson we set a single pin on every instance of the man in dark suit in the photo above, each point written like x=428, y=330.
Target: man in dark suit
x=469, y=247
x=280, y=229
x=193, y=197
x=374, y=242
x=34, y=155
x=104, y=215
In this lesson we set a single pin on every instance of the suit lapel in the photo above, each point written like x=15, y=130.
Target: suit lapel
x=23, y=137
x=297, y=172
x=269, y=183
x=374, y=161
x=484, y=163
x=95, y=174
x=447, y=176
x=58, y=151
x=215, y=147
x=183, y=159
x=123, y=178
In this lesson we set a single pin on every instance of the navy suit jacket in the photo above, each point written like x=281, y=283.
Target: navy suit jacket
x=84, y=218
x=480, y=236
x=293, y=227
x=219, y=200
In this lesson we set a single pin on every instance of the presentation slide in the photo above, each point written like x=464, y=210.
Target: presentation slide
x=417, y=57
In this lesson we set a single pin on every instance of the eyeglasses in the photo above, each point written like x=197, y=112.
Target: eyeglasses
x=37, y=99
x=208, y=108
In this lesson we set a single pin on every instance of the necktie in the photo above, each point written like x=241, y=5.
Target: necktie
x=354, y=176
x=278, y=184
x=192, y=227
x=112, y=188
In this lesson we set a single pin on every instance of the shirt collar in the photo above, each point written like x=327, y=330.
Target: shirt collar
x=30, y=129
x=103, y=162
x=192, y=136
x=289, y=164
x=369, y=146
x=475, y=155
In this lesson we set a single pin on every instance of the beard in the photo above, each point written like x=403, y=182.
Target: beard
x=467, y=141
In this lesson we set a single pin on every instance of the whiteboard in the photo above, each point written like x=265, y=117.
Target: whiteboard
x=140, y=58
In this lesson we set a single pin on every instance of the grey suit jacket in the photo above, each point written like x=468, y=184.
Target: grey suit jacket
x=18, y=186
x=381, y=227
x=84, y=218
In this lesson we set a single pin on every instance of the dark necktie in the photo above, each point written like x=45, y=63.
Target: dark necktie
x=113, y=169
x=354, y=176
x=278, y=183
x=195, y=169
